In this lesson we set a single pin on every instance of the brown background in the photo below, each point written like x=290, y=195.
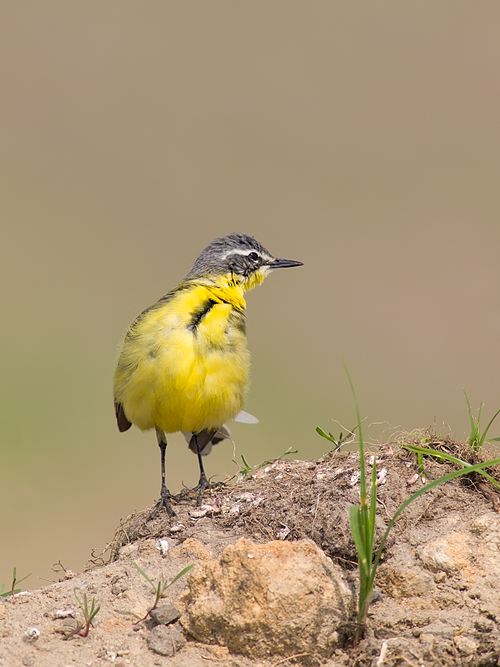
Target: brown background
x=360, y=138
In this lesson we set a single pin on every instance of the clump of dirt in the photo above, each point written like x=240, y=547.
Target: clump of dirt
x=437, y=597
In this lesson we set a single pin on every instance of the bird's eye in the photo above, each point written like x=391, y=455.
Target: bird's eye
x=253, y=256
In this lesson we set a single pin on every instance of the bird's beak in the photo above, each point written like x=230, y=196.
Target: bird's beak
x=284, y=263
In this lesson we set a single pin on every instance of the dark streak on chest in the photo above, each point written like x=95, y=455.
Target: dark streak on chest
x=200, y=313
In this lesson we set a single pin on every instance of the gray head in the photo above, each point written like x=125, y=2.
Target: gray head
x=239, y=256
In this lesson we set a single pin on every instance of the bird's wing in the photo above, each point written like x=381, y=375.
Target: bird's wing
x=123, y=422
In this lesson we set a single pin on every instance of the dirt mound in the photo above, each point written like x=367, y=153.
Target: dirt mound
x=437, y=597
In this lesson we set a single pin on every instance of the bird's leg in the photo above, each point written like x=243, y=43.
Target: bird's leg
x=203, y=482
x=165, y=494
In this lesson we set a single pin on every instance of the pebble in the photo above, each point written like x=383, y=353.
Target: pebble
x=166, y=640
x=165, y=614
x=31, y=635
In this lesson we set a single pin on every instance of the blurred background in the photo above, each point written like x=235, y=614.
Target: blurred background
x=361, y=140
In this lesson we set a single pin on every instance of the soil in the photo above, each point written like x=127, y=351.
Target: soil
x=427, y=609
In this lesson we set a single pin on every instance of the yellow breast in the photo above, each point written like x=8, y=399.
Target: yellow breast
x=184, y=363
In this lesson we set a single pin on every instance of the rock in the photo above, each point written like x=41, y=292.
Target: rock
x=166, y=640
x=165, y=614
x=448, y=554
x=279, y=598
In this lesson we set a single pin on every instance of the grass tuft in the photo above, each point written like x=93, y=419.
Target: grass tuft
x=13, y=590
x=342, y=439
x=160, y=587
x=362, y=516
x=88, y=614
x=247, y=469
x=476, y=438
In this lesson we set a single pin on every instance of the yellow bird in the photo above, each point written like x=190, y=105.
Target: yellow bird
x=184, y=363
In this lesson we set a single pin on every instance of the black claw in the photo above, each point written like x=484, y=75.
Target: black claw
x=202, y=485
x=164, y=502
x=200, y=489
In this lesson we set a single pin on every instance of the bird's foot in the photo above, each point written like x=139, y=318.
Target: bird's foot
x=163, y=503
x=200, y=488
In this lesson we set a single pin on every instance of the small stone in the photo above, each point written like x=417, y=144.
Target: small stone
x=197, y=513
x=178, y=527
x=31, y=635
x=466, y=645
x=162, y=546
x=166, y=640
x=165, y=614
x=28, y=660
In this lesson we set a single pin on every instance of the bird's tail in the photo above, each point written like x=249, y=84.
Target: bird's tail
x=206, y=439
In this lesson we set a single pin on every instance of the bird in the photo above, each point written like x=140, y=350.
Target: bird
x=184, y=362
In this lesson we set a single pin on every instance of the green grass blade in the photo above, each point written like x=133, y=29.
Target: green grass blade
x=359, y=541
x=471, y=417
x=9, y=593
x=361, y=443
x=328, y=436
x=481, y=441
x=373, y=506
x=181, y=573
x=473, y=438
x=247, y=467
x=143, y=574
x=20, y=580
